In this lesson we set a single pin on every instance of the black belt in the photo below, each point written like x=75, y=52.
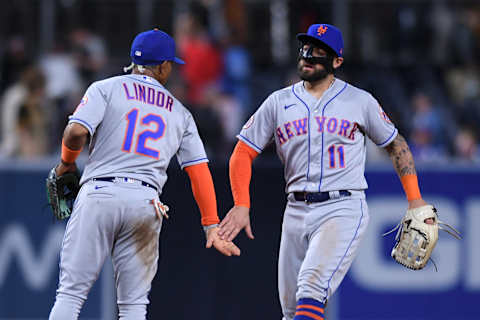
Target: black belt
x=317, y=196
x=113, y=179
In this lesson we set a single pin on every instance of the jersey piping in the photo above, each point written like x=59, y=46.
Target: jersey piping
x=346, y=251
x=250, y=143
x=308, y=134
x=323, y=132
x=146, y=82
x=83, y=122
x=191, y=161
x=388, y=139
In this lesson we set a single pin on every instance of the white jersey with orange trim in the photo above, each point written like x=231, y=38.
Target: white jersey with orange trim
x=136, y=126
x=321, y=142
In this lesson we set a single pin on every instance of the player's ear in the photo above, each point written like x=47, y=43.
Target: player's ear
x=159, y=68
x=337, y=62
x=164, y=67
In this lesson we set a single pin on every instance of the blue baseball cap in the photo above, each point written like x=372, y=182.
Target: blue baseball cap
x=325, y=33
x=153, y=47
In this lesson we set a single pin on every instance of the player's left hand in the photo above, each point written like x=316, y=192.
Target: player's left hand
x=227, y=248
x=237, y=218
x=417, y=203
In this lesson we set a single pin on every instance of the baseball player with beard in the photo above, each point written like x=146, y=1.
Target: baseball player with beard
x=319, y=126
x=135, y=127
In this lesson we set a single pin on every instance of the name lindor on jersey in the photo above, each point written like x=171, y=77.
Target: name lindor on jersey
x=148, y=95
x=299, y=127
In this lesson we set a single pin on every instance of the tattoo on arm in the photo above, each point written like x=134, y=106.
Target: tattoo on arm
x=401, y=156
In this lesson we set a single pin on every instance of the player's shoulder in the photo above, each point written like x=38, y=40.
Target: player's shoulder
x=281, y=95
x=358, y=93
x=107, y=82
x=285, y=92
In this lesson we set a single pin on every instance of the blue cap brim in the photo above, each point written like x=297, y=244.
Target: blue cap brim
x=178, y=60
x=305, y=37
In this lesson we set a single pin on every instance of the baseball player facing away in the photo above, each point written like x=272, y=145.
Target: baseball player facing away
x=319, y=126
x=135, y=126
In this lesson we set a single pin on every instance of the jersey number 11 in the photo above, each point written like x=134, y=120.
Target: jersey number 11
x=341, y=156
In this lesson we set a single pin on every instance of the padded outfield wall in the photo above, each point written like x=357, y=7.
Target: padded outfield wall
x=195, y=283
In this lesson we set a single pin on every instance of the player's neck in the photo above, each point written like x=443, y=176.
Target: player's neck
x=148, y=73
x=317, y=88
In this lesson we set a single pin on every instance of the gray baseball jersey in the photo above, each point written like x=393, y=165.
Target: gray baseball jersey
x=136, y=127
x=321, y=142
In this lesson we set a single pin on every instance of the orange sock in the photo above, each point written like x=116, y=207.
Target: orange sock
x=309, y=309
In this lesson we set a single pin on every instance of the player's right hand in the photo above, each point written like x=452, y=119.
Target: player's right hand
x=63, y=168
x=227, y=248
x=237, y=218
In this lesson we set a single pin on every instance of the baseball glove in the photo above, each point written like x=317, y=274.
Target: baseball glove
x=61, y=192
x=416, y=239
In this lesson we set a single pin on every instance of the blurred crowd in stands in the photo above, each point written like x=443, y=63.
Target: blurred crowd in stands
x=421, y=60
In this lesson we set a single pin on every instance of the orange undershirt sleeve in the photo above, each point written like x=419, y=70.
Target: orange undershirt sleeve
x=69, y=155
x=204, y=192
x=410, y=186
x=240, y=172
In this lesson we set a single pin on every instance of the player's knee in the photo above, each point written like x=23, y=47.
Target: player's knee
x=132, y=311
x=309, y=309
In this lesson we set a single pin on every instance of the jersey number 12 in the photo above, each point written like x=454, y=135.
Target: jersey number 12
x=142, y=138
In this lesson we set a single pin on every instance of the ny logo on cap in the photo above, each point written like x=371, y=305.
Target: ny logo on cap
x=321, y=30
x=138, y=53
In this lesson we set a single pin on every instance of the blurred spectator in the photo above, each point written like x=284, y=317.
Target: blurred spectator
x=464, y=39
x=395, y=47
x=90, y=54
x=463, y=83
x=442, y=23
x=464, y=88
x=236, y=56
x=63, y=87
x=24, y=118
x=229, y=113
x=466, y=146
x=427, y=140
x=237, y=64
x=203, y=60
x=203, y=71
x=14, y=60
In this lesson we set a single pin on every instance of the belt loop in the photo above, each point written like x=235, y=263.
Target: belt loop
x=334, y=194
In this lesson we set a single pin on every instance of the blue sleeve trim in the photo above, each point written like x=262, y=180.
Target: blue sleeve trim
x=393, y=135
x=250, y=143
x=82, y=122
x=192, y=162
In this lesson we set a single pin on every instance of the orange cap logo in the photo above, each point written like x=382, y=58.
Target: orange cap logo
x=321, y=30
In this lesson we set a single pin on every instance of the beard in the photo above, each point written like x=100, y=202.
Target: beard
x=316, y=75
x=311, y=76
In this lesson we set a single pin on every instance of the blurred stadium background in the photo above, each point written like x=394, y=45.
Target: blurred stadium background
x=419, y=58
